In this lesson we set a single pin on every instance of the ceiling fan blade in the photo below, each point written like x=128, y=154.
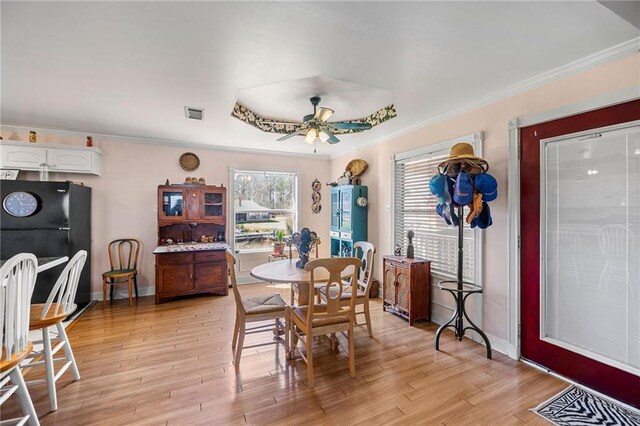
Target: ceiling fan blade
x=323, y=114
x=290, y=135
x=327, y=136
x=350, y=126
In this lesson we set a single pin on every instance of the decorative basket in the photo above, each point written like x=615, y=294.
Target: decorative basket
x=189, y=161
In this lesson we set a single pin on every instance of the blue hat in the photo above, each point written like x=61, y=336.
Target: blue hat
x=463, y=193
x=438, y=187
x=487, y=186
x=483, y=220
x=447, y=212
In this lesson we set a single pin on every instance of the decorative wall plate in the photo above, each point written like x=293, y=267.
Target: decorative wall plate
x=316, y=185
x=189, y=161
x=316, y=197
x=316, y=207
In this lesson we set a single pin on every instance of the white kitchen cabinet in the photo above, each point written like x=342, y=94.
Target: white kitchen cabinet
x=58, y=158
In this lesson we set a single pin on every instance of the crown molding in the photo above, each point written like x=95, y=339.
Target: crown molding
x=616, y=52
x=174, y=144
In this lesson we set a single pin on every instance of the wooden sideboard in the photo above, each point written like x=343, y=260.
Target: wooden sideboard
x=406, y=287
x=180, y=273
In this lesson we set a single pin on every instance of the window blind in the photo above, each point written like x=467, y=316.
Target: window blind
x=415, y=209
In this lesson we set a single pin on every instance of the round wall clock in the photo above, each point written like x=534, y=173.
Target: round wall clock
x=189, y=161
x=21, y=204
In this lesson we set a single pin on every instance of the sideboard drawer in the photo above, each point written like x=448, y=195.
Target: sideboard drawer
x=174, y=258
x=210, y=256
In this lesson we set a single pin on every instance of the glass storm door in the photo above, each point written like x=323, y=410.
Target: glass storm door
x=580, y=255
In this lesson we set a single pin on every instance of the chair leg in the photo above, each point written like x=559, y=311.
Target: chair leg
x=135, y=285
x=235, y=331
x=352, y=354
x=23, y=396
x=333, y=341
x=309, y=343
x=112, y=291
x=62, y=335
x=367, y=315
x=287, y=331
x=50, y=373
x=242, y=327
x=104, y=292
x=130, y=285
x=294, y=340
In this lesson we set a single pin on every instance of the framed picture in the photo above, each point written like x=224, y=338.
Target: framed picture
x=9, y=174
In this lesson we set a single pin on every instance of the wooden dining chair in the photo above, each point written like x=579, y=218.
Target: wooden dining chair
x=330, y=317
x=45, y=316
x=365, y=278
x=17, y=280
x=255, y=309
x=123, y=258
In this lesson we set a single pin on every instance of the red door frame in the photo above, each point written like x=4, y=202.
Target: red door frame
x=611, y=381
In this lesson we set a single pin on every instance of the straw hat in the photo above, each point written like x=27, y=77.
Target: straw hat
x=462, y=154
x=357, y=167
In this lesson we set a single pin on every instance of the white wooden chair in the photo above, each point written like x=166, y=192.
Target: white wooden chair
x=254, y=309
x=365, y=278
x=330, y=317
x=17, y=279
x=46, y=316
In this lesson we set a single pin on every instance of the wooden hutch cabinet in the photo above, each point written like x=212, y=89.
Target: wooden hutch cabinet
x=195, y=217
x=406, y=287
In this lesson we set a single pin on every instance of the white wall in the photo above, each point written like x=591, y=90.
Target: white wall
x=124, y=196
x=493, y=120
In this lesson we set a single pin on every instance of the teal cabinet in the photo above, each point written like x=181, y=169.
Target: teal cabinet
x=348, y=218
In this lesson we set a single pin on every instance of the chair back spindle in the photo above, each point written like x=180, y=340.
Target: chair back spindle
x=17, y=280
x=65, y=288
x=365, y=274
x=231, y=270
x=334, y=287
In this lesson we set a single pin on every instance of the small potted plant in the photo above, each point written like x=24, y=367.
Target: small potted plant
x=278, y=246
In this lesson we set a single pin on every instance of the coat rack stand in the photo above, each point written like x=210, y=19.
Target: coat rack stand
x=460, y=291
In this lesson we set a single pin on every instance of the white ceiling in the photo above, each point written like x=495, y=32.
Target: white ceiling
x=129, y=68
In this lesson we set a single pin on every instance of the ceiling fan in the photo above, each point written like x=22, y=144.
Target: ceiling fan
x=316, y=125
x=313, y=126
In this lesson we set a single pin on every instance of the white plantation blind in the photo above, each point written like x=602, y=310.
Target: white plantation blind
x=415, y=209
x=590, y=245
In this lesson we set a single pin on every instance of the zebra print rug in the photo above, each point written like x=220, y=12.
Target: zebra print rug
x=575, y=406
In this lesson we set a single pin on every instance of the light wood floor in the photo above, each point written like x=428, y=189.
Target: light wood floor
x=171, y=364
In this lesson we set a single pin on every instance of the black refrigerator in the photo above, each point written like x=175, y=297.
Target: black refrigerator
x=60, y=226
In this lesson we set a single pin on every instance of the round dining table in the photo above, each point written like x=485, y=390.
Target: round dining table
x=285, y=271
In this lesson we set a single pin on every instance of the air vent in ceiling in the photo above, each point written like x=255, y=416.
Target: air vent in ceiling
x=194, y=113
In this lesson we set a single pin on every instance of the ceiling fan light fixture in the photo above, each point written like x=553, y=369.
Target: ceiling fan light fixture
x=324, y=136
x=323, y=114
x=312, y=134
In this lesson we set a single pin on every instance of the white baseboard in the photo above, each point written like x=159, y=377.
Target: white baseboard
x=123, y=293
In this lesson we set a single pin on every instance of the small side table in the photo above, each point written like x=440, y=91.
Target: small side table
x=460, y=294
x=273, y=257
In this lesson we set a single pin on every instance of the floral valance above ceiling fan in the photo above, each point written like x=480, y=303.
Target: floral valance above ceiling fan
x=243, y=113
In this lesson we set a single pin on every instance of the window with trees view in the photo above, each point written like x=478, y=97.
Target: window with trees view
x=263, y=204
